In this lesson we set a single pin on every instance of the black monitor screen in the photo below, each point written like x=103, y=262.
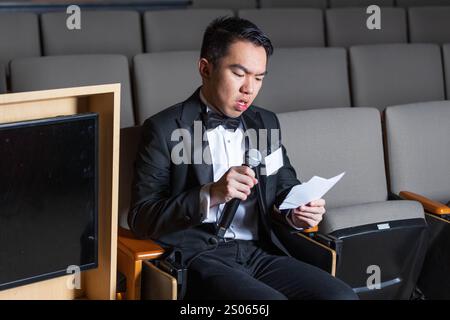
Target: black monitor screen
x=48, y=198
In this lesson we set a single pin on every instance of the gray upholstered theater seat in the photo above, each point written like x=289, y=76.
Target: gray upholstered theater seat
x=446, y=53
x=360, y=3
x=429, y=24
x=178, y=30
x=164, y=79
x=390, y=74
x=419, y=148
x=19, y=36
x=417, y=3
x=2, y=78
x=305, y=78
x=327, y=142
x=347, y=27
x=102, y=32
x=289, y=27
x=224, y=4
x=29, y=74
x=293, y=4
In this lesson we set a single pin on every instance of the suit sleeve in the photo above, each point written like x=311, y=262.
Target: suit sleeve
x=154, y=211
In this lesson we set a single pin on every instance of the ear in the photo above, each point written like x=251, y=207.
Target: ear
x=205, y=68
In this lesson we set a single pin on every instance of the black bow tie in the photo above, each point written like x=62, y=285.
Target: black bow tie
x=213, y=120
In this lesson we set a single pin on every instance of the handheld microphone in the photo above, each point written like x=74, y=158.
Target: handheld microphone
x=252, y=160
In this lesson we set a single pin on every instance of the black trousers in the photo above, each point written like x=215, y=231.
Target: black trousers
x=242, y=270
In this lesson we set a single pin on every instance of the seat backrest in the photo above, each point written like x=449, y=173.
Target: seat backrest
x=420, y=3
x=347, y=27
x=360, y=3
x=29, y=74
x=162, y=79
x=178, y=30
x=418, y=148
x=326, y=142
x=289, y=27
x=392, y=74
x=446, y=53
x=429, y=24
x=129, y=144
x=2, y=78
x=305, y=78
x=19, y=36
x=224, y=4
x=322, y=4
x=102, y=32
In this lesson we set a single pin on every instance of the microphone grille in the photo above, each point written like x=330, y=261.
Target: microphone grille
x=253, y=158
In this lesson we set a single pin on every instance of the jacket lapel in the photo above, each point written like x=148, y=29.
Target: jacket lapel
x=252, y=124
x=191, y=119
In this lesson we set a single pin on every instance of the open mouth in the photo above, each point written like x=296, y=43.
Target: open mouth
x=242, y=104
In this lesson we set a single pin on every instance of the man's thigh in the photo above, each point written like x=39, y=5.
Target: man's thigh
x=299, y=280
x=211, y=278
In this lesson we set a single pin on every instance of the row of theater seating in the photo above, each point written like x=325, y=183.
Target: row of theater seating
x=240, y=4
x=119, y=32
x=298, y=78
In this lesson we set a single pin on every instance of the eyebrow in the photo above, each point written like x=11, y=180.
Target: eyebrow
x=239, y=66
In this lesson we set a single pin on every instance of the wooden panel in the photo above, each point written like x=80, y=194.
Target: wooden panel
x=98, y=283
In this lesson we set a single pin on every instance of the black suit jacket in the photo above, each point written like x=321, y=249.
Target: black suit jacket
x=165, y=196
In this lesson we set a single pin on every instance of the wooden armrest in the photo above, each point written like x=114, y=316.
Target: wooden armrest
x=429, y=205
x=138, y=249
x=311, y=230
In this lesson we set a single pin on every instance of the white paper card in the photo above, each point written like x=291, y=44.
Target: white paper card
x=304, y=193
x=274, y=161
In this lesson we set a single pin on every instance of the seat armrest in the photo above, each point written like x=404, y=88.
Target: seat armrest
x=138, y=249
x=431, y=206
x=307, y=248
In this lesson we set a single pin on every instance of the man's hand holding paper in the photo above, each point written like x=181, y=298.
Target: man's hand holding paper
x=306, y=201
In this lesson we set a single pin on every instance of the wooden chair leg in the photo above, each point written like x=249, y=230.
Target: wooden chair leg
x=131, y=269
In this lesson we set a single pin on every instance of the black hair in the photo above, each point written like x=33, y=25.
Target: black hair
x=224, y=31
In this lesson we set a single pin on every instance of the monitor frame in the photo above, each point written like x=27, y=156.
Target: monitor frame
x=56, y=120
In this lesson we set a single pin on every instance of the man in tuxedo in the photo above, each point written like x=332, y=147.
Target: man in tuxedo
x=177, y=200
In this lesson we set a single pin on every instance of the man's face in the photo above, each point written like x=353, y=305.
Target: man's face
x=234, y=82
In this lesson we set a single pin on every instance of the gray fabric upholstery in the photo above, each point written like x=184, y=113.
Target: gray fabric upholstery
x=360, y=3
x=419, y=148
x=103, y=32
x=446, y=53
x=293, y=4
x=172, y=30
x=368, y=213
x=326, y=142
x=292, y=27
x=2, y=78
x=164, y=79
x=305, y=78
x=429, y=24
x=129, y=143
x=224, y=4
x=417, y=3
x=55, y=72
x=19, y=36
x=347, y=27
x=391, y=74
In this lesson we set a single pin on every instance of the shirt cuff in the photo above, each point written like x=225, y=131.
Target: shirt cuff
x=207, y=214
x=289, y=221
